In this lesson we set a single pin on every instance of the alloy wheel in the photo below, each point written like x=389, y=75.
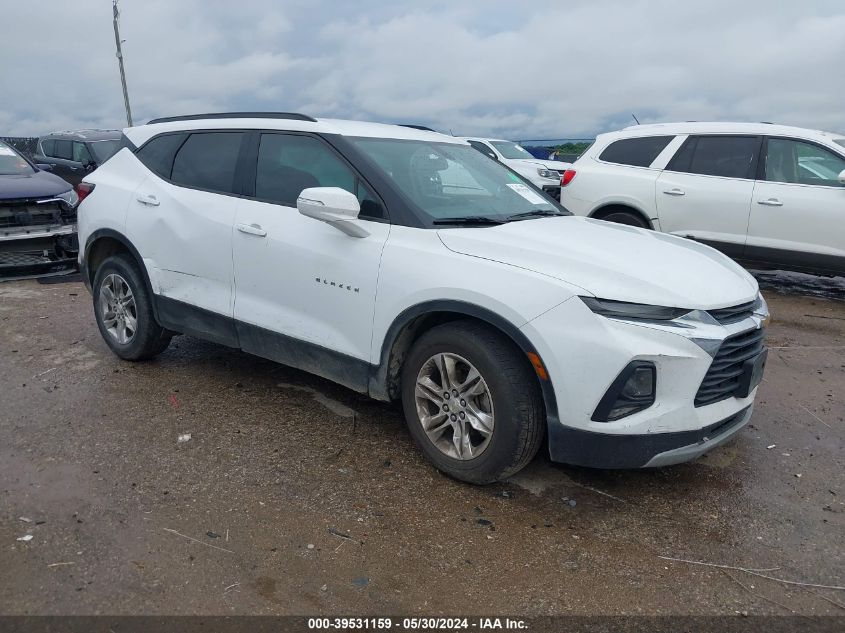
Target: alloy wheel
x=454, y=406
x=118, y=309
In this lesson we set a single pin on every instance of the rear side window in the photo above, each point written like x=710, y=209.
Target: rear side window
x=158, y=153
x=207, y=161
x=63, y=150
x=725, y=156
x=637, y=152
x=48, y=146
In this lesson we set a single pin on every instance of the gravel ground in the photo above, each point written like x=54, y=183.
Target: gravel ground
x=297, y=496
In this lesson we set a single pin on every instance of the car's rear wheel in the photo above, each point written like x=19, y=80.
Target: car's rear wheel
x=124, y=313
x=629, y=218
x=472, y=403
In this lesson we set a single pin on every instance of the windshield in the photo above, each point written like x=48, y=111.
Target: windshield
x=12, y=163
x=103, y=150
x=839, y=141
x=511, y=150
x=450, y=181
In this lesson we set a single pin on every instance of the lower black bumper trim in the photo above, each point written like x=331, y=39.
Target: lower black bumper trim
x=603, y=450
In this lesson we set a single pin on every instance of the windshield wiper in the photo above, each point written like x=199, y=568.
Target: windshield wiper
x=536, y=213
x=478, y=220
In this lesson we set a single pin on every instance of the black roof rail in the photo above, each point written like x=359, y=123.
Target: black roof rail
x=293, y=116
x=413, y=126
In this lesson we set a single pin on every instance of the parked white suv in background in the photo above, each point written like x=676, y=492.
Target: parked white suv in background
x=544, y=174
x=496, y=317
x=768, y=195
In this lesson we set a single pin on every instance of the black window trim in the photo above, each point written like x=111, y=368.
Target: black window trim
x=764, y=157
x=136, y=149
x=236, y=185
x=251, y=171
x=247, y=164
x=753, y=169
x=671, y=138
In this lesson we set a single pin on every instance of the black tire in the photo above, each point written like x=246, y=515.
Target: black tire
x=519, y=422
x=149, y=338
x=629, y=218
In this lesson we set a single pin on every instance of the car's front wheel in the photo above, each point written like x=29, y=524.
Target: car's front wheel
x=472, y=403
x=124, y=312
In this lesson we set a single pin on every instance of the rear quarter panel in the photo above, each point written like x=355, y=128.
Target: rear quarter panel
x=105, y=208
x=597, y=184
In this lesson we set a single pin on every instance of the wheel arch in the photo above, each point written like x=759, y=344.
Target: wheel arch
x=414, y=321
x=104, y=243
x=609, y=207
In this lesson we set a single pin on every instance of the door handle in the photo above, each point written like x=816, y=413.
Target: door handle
x=148, y=199
x=771, y=202
x=674, y=192
x=251, y=229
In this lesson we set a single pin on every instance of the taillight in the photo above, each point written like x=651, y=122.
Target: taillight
x=83, y=189
x=568, y=175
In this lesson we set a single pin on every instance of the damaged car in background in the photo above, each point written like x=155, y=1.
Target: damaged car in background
x=37, y=219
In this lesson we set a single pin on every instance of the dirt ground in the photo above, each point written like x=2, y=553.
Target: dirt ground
x=297, y=496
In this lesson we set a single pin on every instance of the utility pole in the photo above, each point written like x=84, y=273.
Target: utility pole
x=120, y=63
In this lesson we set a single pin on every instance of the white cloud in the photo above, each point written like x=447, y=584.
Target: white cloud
x=535, y=70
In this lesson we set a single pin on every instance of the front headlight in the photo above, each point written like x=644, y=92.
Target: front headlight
x=69, y=197
x=548, y=173
x=761, y=310
x=625, y=310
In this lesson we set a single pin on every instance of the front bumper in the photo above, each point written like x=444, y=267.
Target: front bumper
x=583, y=354
x=600, y=450
x=37, y=237
x=39, y=253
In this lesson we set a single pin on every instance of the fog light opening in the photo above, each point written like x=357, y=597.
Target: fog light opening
x=633, y=391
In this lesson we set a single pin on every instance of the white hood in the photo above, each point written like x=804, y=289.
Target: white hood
x=543, y=164
x=612, y=261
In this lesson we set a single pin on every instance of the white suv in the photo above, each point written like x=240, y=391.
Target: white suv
x=544, y=174
x=497, y=318
x=769, y=195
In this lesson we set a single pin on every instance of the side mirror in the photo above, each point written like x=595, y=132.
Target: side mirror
x=334, y=206
x=44, y=166
x=842, y=176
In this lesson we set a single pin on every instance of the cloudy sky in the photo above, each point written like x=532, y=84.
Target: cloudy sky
x=514, y=69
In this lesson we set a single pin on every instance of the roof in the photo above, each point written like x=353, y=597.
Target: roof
x=284, y=122
x=85, y=135
x=716, y=127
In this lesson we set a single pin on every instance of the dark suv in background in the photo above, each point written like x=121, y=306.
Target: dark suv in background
x=71, y=155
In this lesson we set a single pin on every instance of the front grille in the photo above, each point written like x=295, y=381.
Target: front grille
x=734, y=313
x=20, y=213
x=722, y=379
